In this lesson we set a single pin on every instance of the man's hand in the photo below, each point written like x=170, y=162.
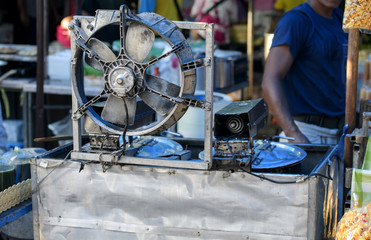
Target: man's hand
x=299, y=137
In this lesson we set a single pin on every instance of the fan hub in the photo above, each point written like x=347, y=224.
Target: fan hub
x=121, y=80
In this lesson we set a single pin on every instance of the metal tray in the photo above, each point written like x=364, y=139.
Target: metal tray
x=271, y=155
x=19, y=55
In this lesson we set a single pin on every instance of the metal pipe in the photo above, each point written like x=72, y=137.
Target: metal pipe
x=40, y=68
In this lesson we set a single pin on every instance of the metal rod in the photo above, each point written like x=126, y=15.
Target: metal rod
x=125, y=159
x=40, y=68
x=209, y=89
x=351, y=92
x=76, y=67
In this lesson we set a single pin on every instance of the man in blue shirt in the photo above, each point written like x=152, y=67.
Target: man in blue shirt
x=304, y=78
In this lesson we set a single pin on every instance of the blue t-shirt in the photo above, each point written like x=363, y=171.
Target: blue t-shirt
x=316, y=82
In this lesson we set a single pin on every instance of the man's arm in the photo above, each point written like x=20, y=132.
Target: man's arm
x=277, y=65
x=25, y=19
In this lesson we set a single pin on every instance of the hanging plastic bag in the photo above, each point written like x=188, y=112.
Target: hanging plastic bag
x=357, y=14
x=355, y=224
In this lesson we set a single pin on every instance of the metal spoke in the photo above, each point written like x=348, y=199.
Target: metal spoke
x=81, y=43
x=161, y=105
x=82, y=109
x=176, y=48
x=198, y=63
x=122, y=29
x=182, y=100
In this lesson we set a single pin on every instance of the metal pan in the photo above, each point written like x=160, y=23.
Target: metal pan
x=271, y=155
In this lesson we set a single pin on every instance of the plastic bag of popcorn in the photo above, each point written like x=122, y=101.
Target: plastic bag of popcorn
x=357, y=14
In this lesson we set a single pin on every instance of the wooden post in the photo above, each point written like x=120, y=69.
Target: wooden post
x=250, y=48
x=351, y=92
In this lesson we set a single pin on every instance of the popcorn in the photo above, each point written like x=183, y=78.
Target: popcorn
x=357, y=14
x=355, y=225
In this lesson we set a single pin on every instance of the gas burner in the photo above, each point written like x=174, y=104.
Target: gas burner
x=230, y=153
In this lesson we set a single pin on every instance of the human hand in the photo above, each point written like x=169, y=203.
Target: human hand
x=25, y=19
x=299, y=137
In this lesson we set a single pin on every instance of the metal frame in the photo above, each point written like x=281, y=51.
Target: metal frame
x=16, y=212
x=209, y=86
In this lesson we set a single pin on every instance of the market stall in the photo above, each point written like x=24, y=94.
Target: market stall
x=129, y=173
x=225, y=185
x=355, y=222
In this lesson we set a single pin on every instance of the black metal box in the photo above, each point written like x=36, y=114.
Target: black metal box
x=241, y=119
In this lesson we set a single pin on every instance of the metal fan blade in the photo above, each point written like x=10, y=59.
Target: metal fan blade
x=139, y=41
x=102, y=50
x=114, y=110
x=158, y=103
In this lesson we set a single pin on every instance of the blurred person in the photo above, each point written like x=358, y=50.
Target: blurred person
x=304, y=77
x=27, y=12
x=174, y=10
x=263, y=12
x=222, y=13
x=171, y=9
x=63, y=34
x=283, y=6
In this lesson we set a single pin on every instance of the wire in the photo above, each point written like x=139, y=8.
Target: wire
x=121, y=151
x=54, y=168
x=262, y=177
x=125, y=128
x=232, y=153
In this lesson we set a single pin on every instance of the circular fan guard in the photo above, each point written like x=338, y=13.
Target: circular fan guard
x=125, y=76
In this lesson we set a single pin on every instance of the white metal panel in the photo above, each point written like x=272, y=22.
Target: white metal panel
x=162, y=203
